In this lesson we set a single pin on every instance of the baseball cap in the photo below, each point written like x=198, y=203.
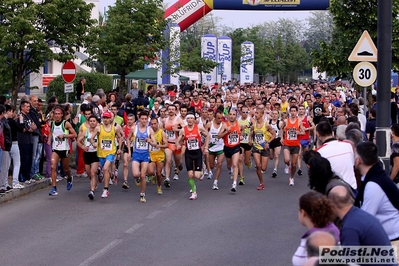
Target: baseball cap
x=318, y=95
x=107, y=114
x=7, y=96
x=290, y=91
x=172, y=94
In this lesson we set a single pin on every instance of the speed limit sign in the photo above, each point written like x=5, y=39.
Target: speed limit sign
x=364, y=74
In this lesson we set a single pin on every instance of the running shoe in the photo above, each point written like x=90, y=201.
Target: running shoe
x=193, y=196
x=299, y=172
x=210, y=175
x=241, y=183
x=142, y=199
x=287, y=169
x=18, y=186
x=147, y=179
x=291, y=183
x=166, y=182
x=262, y=171
x=261, y=187
x=53, y=192
x=159, y=190
x=202, y=176
x=249, y=165
x=274, y=174
x=138, y=182
x=163, y=172
x=180, y=167
x=176, y=176
x=234, y=187
x=125, y=185
x=69, y=183
x=91, y=195
x=231, y=171
x=105, y=193
x=111, y=181
x=215, y=186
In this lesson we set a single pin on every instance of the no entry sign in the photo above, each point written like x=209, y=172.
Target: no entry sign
x=68, y=72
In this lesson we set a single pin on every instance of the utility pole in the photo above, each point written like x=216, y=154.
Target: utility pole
x=384, y=65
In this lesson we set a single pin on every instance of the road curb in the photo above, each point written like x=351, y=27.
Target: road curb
x=16, y=193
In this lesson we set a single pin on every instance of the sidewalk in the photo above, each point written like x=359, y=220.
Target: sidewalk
x=16, y=193
x=29, y=188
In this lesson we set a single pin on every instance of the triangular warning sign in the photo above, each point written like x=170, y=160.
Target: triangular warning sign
x=364, y=50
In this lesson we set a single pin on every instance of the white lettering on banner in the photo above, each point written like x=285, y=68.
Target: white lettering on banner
x=225, y=53
x=247, y=62
x=210, y=51
x=186, y=10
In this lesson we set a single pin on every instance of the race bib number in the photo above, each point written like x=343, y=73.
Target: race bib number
x=154, y=149
x=192, y=144
x=106, y=145
x=259, y=138
x=245, y=137
x=291, y=134
x=233, y=139
x=141, y=144
x=171, y=135
x=59, y=143
x=88, y=144
x=214, y=139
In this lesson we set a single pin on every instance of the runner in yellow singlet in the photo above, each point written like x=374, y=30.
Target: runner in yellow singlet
x=157, y=154
x=106, y=148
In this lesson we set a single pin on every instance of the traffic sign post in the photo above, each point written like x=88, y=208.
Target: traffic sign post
x=68, y=73
x=364, y=74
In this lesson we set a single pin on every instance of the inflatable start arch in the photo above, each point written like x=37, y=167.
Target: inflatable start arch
x=187, y=12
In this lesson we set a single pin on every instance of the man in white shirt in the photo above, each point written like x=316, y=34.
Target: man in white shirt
x=338, y=153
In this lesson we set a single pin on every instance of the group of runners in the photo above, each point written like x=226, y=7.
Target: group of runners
x=201, y=136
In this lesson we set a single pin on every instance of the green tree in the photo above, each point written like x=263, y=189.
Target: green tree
x=351, y=18
x=29, y=30
x=131, y=37
x=94, y=81
x=320, y=26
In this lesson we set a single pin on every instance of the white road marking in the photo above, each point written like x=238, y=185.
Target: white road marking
x=101, y=252
x=133, y=228
x=153, y=214
x=170, y=203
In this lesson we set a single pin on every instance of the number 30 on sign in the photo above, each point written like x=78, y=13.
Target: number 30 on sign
x=364, y=74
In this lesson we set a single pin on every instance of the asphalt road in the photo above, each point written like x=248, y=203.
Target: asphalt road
x=248, y=227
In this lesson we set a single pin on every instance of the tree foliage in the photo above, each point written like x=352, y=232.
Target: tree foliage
x=94, y=81
x=131, y=37
x=351, y=18
x=320, y=28
x=32, y=33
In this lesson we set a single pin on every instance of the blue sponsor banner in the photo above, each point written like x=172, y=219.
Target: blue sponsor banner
x=271, y=4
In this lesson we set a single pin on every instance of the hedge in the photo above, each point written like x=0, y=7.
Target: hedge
x=94, y=81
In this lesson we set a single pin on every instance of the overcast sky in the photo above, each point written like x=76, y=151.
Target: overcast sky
x=238, y=19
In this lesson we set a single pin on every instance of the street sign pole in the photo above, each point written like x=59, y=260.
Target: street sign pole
x=68, y=73
x=365, y=100
x=384, y=45
x=68, y=88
